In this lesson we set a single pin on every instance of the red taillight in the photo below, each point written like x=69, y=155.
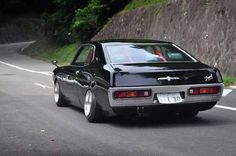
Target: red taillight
x=194, y=91
x=121, y=94
x=204, y=90
x=211, y=90
x=132, y=93
x=215, y=90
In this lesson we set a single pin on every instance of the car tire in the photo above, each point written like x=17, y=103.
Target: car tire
x=58, y=96
x=91, y=109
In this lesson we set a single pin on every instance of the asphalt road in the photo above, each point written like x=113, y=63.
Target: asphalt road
x=31, y=124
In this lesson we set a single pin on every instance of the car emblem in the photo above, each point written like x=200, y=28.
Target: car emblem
x=208, y=78
x=168, y=78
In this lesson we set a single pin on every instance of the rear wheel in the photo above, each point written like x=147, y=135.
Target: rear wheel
x=58, y=96
x=91, y=108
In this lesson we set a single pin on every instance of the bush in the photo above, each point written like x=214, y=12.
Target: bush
x=89, y=20
x=228, y=80
x=58, y=19
x=86, y=21
x=48, y=52
x=72, y=20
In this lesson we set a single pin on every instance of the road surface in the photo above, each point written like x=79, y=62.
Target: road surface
x=31, y=124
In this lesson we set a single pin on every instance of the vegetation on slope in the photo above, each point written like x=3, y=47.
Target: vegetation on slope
x=20, y=28
x=228, y=80
x=49, y=52
x=134, y=4
x=72, y=20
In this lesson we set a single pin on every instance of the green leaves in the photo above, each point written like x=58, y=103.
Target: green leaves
x=57, y=22
x=74, y=20
x=86, y=22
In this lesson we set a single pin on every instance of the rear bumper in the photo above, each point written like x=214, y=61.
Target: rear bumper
x=162, y=109
x=152, y=100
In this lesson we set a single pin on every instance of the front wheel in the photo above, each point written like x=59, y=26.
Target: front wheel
x=91, y=108
x=58, y=96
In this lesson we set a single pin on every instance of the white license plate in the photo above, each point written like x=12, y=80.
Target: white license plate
x=169, y=98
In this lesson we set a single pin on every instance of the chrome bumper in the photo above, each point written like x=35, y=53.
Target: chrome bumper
x=151, y=101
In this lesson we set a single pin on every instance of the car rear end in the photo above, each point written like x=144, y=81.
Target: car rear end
x=164, y=85
x=164, y=94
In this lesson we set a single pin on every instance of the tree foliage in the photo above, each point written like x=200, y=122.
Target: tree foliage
x=66, y=21
x=86, y=22
x=79, y=19
x=58, y=20
x=89, y=20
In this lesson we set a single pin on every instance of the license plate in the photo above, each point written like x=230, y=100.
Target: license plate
x=169, y=98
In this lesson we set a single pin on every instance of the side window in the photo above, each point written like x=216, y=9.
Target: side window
x=85, y=56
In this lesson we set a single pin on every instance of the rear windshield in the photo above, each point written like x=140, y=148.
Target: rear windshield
x=154, y=53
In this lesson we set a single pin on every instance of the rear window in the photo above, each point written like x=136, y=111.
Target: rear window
x=153, y=53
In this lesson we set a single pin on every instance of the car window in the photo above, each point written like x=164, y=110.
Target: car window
x=147, y=53
x=85, y=56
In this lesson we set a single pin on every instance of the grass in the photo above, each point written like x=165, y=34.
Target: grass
x=228, y=80
x=134, y=4
x=49, y=52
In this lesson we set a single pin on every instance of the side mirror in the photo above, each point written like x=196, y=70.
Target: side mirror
x=55, y=63
x=95, y=60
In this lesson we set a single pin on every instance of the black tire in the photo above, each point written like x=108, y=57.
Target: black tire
x=60, y=100
x=95, y=114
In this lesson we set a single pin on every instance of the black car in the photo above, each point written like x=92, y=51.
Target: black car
x=130, y=77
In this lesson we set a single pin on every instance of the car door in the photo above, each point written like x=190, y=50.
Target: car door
x=69, y=82
x=81, y=77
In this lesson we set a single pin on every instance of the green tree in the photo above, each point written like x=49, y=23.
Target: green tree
x=58, y=18
x=90, y=19
x=86, y=21
x=71, y=20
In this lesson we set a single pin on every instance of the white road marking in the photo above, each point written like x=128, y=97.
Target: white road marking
x=226, y=107
x=226, y=92
x=16, y=44
x=27, y=70
x=233, y=87
x=43, y=86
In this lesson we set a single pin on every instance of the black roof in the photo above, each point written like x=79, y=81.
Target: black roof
x=110, y=41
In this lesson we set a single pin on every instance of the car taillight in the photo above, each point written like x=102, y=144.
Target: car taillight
x=120, y=94
x=132, y=93
x=194, y=91
x=204, y=90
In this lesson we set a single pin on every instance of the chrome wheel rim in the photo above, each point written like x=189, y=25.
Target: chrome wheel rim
x=88, y=102
x=56, y=92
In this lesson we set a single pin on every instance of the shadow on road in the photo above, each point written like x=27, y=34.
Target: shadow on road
x=161, y=121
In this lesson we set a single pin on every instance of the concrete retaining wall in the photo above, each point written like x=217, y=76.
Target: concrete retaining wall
x=205, y=28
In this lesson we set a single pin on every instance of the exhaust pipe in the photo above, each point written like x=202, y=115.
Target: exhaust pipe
x=140, y=110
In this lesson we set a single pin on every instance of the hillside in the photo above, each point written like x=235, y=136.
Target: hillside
x=205, y=28
x=20, y=28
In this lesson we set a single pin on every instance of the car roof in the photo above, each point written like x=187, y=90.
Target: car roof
x=126, y=41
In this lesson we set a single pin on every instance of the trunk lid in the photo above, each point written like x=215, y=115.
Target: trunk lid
x=158, y=74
